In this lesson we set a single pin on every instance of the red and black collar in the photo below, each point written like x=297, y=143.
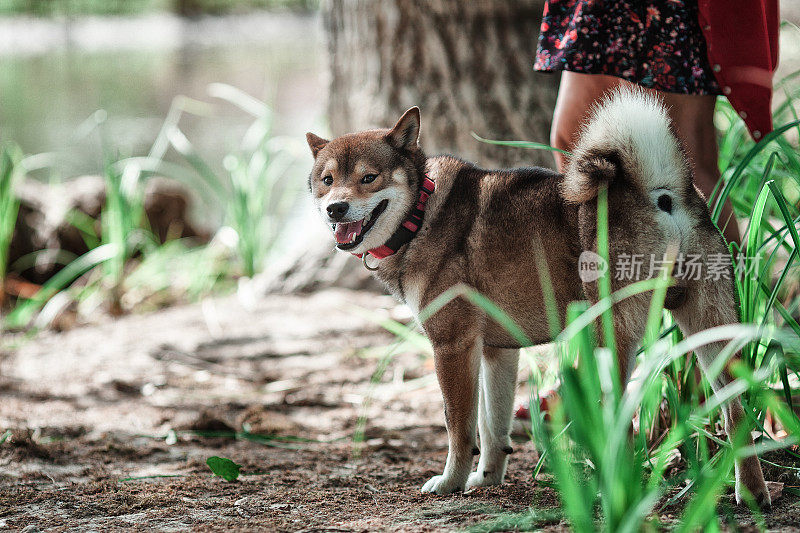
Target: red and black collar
x=410, y=226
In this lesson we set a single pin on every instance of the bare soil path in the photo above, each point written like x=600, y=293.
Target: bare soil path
x=145, y=395
x=110, y=426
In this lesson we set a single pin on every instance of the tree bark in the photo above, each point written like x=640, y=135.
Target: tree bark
x=467, y=65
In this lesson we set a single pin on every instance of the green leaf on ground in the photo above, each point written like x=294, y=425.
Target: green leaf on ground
x=224, y=468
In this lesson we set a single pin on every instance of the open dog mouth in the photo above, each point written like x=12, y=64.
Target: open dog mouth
x=350, y=234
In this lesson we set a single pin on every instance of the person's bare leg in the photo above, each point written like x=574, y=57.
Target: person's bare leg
x=576, y=95
x=693, y=116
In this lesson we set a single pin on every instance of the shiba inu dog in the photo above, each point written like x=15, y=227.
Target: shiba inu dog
x=426, y=224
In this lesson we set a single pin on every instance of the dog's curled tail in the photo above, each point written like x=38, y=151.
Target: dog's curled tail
x=628, y=136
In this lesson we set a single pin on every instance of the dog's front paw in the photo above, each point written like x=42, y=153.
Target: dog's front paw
x=442, y=485
x=482, y=478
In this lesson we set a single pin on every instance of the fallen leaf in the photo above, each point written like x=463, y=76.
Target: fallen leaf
x=224, y=468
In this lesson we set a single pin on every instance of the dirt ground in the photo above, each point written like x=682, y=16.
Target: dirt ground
x=110, y=426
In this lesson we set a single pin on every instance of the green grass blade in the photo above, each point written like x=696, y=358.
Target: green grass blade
x=736, y=176
x=9, y=205
x=520, y=144
x=24, y=313
x=604, y=282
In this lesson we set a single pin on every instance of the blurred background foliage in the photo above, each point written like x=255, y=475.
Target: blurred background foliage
x=132, y=7
x=130, y=195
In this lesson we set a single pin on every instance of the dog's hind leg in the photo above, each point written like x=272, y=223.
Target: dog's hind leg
x=498, y=379
x=709, y=304
x=457, y=363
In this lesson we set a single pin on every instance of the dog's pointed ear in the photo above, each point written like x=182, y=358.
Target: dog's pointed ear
x=405, y=133
x=316, y=143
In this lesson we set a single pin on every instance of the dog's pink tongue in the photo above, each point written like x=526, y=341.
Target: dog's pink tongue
x=347, y=231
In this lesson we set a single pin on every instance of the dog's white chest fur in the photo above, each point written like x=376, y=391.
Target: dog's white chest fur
x=412, y=294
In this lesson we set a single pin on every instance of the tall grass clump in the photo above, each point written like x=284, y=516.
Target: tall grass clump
x=127, y=266
x=762, y=182
x=610, y=481
x=124, y=225
x=9, y=207
x=254, y=197
x=123, y=234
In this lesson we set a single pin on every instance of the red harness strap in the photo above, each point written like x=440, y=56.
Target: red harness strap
x=410, y=226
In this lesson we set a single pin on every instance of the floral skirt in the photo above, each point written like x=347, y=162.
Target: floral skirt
x=655, y=43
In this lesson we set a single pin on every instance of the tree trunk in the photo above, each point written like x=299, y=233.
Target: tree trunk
x=467, y=65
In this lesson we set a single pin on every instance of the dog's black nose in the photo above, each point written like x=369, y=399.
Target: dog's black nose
x=337, y=210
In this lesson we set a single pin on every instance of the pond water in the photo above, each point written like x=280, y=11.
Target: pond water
x=54, y=74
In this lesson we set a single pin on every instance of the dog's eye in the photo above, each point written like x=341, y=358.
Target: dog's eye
x=664, y=203
x=369, y=178
x=328, y=180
